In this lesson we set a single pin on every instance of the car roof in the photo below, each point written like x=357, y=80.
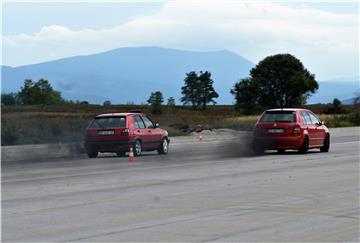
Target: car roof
x=119, y=114
x=288, y=109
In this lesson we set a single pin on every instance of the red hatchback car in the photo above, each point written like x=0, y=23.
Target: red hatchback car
x=117, y=132
x=282, y=129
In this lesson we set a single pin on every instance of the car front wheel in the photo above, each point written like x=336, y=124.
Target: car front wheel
x=164, y=147
x=137, y=148
x=326, y=146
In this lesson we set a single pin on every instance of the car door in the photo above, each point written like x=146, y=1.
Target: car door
x=153, y=133
x=140, y=131
x=319, y=130
x=309, y=127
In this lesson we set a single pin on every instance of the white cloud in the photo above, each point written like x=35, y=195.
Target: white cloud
x=254, y=30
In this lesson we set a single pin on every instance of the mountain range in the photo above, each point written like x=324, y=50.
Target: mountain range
x=129, y=75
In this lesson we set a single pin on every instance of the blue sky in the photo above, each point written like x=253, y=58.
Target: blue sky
x=324, y=35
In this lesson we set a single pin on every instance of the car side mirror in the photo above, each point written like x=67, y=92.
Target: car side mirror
x=157, y=125
x=322, y=123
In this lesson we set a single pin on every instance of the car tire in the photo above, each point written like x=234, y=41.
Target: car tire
x=326, y=146
x=258, y=150
x=92, y=154
x=281, y=151
x=164, y=146
x=120, y=154
x=137, y=148
x=305, y=146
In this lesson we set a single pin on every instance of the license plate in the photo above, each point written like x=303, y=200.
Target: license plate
x=276, y=130
x=106, y=132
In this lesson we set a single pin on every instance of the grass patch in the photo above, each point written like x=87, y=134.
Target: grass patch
x=346, y=120
x=67, y=123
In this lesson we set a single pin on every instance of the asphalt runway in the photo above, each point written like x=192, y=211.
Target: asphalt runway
x=212, y=190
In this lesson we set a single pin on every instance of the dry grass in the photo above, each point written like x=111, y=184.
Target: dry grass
x=52, y=124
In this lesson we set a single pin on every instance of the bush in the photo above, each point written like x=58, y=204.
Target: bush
x=354, y=118
x=9, y=135
x=346, y=120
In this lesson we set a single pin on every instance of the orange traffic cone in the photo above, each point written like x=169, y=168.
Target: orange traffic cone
x=131, y=154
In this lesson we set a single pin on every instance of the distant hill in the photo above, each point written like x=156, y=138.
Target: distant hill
x=342, y=88
x=130, y=74
x=349, y=101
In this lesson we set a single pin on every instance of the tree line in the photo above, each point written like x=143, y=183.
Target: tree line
x=276, y=81
x=33, y=93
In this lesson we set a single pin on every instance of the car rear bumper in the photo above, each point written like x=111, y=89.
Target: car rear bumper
x=109, y=146
x=294, y=142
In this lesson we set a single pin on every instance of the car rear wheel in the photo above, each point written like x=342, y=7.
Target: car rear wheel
x=92, y=153
x=164, y=147
x=281, y=151
x=305, y=146
x=326, y=146
x=257, y=149
x=137, y=148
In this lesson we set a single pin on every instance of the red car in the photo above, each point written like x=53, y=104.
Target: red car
x=282, y=129
x=117, y=132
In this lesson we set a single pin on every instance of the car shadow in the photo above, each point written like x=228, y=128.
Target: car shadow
x=291, y=152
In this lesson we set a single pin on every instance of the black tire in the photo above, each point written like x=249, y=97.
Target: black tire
x=326, y=146
x=92, y=154
x=164, y=147
x=281, y=151
x=305, y=146
x=120, y=154
x=137, y=148
x=258, y=150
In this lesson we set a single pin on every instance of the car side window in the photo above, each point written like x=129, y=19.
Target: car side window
x=148, y=122
x=138, y=122
x=305, y=117
x=313, y=118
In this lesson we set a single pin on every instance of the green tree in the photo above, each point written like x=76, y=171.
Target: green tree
x=276, y=81
x=198, y=90
x=190, y=89
x=171, y=101
x=336, y=102
x=207, y=93
x=156, y=99
x=10, y=99
x=39, y=93
x=336, y=107
x=107, y=103
x=244, y=92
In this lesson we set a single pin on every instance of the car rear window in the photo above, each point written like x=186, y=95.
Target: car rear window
x=278, y=116
x=109, y=121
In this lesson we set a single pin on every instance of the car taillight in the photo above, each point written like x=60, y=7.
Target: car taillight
x=125, y=132
x=297, y=130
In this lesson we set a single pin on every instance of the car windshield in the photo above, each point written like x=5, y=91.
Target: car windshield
x=111, y=121
x=278, y=116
